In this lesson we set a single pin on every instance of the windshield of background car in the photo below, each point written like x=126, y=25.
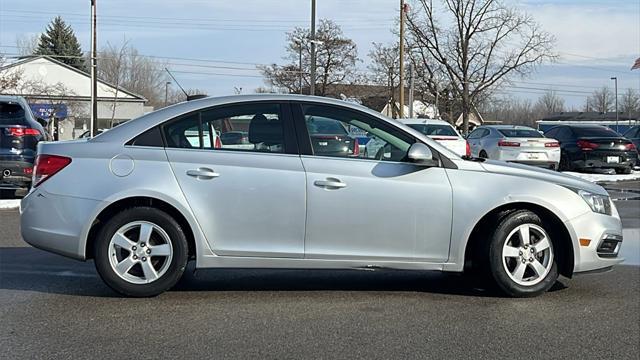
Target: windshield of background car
x=12, y=114
x=324, y=126
x=434, y=129
x=594, y=132
x=520, y=133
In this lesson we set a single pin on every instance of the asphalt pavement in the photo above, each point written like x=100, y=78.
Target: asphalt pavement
x=57, y=308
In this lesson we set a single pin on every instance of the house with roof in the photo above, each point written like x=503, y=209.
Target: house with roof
x=61, y=94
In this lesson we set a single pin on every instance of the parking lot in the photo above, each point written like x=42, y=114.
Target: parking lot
x=59, y=308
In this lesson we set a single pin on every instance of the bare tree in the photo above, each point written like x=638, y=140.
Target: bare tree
x=509, y=110
x=175, y=96
x=132, y=71
x=10, y=77
x=601, y=100
x=477, y=44
x=630, y=102
x=385, y=68
x=336, y=57
x=27, y=44
x=116, y=64
x=550, y=102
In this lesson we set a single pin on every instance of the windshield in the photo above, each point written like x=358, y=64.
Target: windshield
x=521, y=133
x=434, y=129
x=595, y=131
x=12, y=114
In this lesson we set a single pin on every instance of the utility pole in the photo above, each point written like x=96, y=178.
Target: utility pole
x=299, y=42
x=94, y=76
x=166, y=92
x=312, y=82
x=402, y=11
x=411, y=91
x=615, y=79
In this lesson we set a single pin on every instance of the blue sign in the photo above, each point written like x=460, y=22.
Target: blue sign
x=46, y=111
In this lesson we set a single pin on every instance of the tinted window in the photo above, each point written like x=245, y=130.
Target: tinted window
x=551, y=133
x=476, y=134
x=434, y=129
x=632, y=133
x=12, y=114
x=151, y=137
x=247, y=127
x=595, y=131
x=524, y=133
x=351, y=134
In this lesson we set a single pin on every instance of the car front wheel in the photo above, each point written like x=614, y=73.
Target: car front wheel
x=141, y=252
x=521, y=255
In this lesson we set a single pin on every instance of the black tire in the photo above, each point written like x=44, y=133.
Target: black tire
x=175, y=269
x=483, y=154
x=496, y=268
x=626, y=170
x=564, y=163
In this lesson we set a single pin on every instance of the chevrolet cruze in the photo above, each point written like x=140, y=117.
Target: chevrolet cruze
x=146, y=197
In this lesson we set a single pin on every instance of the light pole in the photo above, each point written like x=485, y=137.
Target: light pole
x=298, y=42
x=94, y=75
x=166, y=92
x=312, y=80
x=615, y=79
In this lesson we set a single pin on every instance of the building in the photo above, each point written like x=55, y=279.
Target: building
x=61, y=94
x=624, y=120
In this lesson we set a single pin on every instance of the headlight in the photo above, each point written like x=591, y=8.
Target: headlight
x=598, y=203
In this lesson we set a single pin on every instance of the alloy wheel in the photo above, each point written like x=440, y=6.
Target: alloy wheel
x=140, y=252
x=527, y=254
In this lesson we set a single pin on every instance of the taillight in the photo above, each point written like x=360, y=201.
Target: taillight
x=552, y=144
x=356, y=147
x=218, y=143
x=18, y=131
x=508, y=143
x=585, y=145
x=629, y=147
x=48, y=165
x=468, y=149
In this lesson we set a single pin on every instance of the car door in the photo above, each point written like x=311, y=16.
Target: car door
x=249, y=200
x=374, y=206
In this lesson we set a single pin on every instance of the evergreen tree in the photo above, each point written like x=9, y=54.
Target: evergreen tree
x=59, y=40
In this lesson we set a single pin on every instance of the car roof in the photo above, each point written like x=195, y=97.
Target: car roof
x=498, y=127
x=424, y=121
x=129, y=129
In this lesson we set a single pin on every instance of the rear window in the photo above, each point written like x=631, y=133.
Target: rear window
x=324, y=126
x=521, y=133
x=595, y=131
x=434, y=129
x=12, y=114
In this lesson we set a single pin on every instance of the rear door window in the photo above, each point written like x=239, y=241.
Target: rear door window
x=12, y=114
x=595, y=132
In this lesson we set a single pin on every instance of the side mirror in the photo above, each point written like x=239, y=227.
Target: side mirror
x=421, y=154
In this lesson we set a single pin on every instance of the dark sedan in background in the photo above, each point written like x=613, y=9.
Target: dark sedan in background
x=589, y=147
x=20, y=133
x=330, y=138
x=633, y=134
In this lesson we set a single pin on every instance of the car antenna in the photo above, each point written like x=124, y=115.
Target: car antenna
x=177, y=83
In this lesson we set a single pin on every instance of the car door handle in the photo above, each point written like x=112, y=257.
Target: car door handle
x=203, y=173
x=330, y=183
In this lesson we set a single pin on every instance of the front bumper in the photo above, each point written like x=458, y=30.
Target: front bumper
x=598, y=229
x=59, y=224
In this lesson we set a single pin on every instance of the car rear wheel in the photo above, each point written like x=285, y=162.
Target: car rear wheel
x=483, y=154
x=626, y=170
x=521, y=255
x=141, y=252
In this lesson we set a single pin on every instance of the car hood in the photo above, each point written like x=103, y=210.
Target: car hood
x=530, y=172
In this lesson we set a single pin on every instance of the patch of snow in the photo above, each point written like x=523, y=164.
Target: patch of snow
x=635, y=175
x=10, y=204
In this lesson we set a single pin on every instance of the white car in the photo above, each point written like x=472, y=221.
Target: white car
x=512, y=143
x=442, y=132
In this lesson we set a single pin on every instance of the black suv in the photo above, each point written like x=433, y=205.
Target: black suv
x=585, y=147
x=20, y=133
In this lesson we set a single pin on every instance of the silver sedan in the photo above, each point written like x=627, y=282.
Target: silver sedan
x=146, y=197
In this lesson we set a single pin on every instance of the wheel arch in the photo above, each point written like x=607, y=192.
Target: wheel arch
x=133, y=201
x=560, y=237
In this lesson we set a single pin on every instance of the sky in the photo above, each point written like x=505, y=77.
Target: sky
x=215, y=45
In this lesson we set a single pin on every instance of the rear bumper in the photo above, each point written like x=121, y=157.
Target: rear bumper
x=13, y=174
x=543, y=158
x=59, y=224
x=601, y=160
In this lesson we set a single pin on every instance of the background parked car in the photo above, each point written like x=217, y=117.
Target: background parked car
x=20, y=133
x=442, y=132
x=514, y=143
x=633, y=134
x=594, y=147
x=330, y=138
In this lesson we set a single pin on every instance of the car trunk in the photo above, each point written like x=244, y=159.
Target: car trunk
x=331, y=144
x=610, y=150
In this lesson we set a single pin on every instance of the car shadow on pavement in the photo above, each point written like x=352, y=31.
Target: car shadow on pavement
x=29, y=269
